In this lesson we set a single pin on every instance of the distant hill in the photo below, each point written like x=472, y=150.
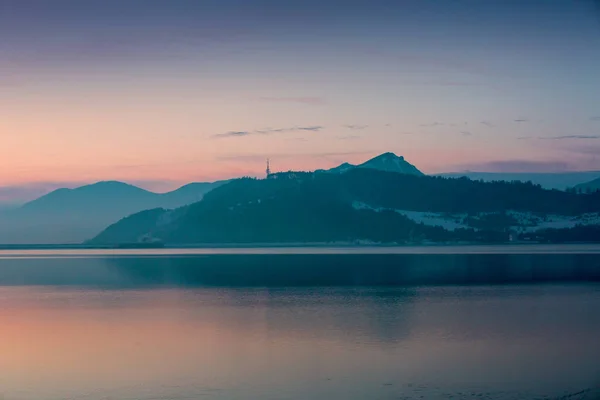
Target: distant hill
x=548, y=180
x=384, y=162
x=75, y=215
x=362, y=204
x=589, y=186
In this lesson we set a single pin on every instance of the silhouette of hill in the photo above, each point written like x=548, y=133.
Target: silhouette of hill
x=75, y=215
x=548, y=180
x=384, y=162
x=360, y=204
x=107, y=192
x=590, y=186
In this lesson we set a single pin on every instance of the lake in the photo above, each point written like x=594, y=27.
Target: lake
x=299, y=324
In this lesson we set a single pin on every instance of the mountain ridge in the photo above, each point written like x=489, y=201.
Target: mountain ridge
x=387, y=161
x=548, y=180
x=362, y=204
x=74, y=215
x=592, y=185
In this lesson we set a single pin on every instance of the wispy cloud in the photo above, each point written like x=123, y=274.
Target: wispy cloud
x=356, y=127
x=522, y=120
x=233, y=134
x=466, y=133
x=569, y=137
x=433, y=124
x=308, y=128
x=268, y=131
x=349, y=137
x=301, y=100
x=595, y=118
x=488, y=124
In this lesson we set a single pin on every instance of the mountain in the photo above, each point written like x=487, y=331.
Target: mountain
x=383, y=162
x=75, y=215
x=362, y=204
x=591, y=186
x=548, y=180
x=187, y=194
x=391, y=163
x=111, y=195
x=341, y=168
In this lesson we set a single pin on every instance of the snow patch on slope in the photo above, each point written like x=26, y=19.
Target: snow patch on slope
x=526, y=221
x=530, y=222
x=447, y=221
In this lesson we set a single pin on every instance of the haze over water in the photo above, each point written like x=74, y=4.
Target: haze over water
x=137, y=328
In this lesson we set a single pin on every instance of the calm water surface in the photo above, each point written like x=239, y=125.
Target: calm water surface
x=76, y=338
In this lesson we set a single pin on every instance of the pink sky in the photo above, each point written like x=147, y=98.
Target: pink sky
x=155, y=98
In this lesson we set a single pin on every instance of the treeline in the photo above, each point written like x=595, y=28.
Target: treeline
x=409, y=192
x=579, y=233
x=318, y=207
x=427, y=193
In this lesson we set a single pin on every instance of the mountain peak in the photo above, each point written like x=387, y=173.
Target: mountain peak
x=107, y=184
x=387, y=156
x=385, y=162
x=391, y=162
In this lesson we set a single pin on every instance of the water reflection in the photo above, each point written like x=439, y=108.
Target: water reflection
x=279, y=270
x=298, y=326
x=297, y=343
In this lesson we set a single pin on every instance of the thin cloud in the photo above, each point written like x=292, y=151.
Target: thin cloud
x=356, y=127
x=349, y=137
x=233, y=134
x=565, y=137
x=299, y=100
x=309, y=128
x=522, y=120
x=570, y=137
x=466, y=133
x=488, y=124
x=268, y=131
x=433, y=124
x=595, y=118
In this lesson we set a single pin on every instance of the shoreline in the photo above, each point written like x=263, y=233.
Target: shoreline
x=305, y=248
x=77, y=246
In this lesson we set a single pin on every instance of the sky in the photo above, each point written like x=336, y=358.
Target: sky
x=161, y=93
